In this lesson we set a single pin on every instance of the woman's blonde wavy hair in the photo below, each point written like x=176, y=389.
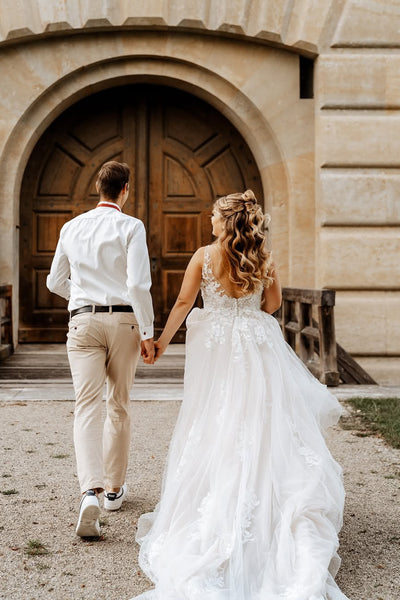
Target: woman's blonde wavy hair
x=243, y=240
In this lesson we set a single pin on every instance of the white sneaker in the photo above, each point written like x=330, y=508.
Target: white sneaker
x=89, y=510
x=113, y=500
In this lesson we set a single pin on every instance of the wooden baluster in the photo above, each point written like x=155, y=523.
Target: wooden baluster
x=287, y=312
x=294, y=322
x=327, y=346
x=306, y=344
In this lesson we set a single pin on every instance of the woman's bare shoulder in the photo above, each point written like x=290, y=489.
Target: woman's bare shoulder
x=198, y=256
x=200, y=252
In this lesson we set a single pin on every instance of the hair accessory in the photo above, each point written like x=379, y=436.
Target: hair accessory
x=248, y=196
x=249, y=200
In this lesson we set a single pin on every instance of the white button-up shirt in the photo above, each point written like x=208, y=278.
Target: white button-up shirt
x=102, y=258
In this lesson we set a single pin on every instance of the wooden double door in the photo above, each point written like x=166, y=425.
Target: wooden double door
x=183, y=154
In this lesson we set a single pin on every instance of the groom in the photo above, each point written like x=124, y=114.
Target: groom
x=101, y=265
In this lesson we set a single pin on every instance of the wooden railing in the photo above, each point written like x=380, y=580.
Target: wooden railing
x=6, y=329
x=307, y=321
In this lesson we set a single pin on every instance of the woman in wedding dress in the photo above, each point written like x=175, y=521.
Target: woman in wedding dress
x=252, y=500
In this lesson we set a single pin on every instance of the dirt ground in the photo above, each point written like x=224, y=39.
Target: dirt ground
x=38, y=464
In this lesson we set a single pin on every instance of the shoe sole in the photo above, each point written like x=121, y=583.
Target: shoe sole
x=113, y=506
x=88, y=525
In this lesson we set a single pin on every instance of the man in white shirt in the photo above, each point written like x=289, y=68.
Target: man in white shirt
x=101, y=265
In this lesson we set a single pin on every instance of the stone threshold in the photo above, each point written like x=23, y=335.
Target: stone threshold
x=62, y=391
x=39, y=391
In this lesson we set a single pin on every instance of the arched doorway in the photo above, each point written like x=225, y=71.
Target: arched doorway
x=184, y=154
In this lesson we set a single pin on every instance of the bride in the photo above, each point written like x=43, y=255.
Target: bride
x=252, y=500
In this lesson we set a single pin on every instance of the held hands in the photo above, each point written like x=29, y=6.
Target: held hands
x=147, y=351
x=151, y=351
x=160, y=349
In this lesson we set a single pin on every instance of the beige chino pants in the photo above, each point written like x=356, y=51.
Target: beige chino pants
x=102, y=347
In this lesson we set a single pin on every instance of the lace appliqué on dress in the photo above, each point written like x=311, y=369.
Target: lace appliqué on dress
x=199, y=588
x=311, y=458
x=239, y=318
x=249, y=505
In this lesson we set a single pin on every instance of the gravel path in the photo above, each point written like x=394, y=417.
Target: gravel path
x=37, y=461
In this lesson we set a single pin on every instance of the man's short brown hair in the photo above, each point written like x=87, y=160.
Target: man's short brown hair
x=112, y=178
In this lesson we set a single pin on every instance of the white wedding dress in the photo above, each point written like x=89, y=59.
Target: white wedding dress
x=252, y=499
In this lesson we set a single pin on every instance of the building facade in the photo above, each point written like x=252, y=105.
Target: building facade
x=298, y=100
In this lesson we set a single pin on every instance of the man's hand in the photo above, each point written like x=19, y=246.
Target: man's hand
x=147, y=351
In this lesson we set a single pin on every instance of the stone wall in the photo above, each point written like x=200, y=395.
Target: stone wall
x=299, y=24
x=358, y=174
x=330, y=166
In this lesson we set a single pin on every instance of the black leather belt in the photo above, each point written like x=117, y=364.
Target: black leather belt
x=94, y=308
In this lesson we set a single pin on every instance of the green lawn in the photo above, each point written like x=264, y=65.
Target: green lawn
x=379, y=416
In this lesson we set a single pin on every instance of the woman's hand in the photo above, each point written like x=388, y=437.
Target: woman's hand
x=159, y=349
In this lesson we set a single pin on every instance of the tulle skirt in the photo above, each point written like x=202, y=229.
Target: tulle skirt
x=252, y=500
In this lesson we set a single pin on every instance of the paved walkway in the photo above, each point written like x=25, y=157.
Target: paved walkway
x=20, y=377
x=37, y=464
x=48, y=389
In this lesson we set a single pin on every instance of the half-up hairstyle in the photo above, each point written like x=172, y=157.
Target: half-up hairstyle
x=243, y=240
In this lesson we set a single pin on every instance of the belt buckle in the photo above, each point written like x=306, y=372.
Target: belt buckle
x=110, y=309
x=93, y=309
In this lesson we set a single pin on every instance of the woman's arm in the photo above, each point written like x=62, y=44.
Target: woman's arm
x=272, y=296
x=186, y=298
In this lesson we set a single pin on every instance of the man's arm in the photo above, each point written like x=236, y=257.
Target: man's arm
x=58, y=280
x=139, y=281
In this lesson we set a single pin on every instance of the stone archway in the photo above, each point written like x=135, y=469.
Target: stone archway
x=184, y=155
x=233, y=102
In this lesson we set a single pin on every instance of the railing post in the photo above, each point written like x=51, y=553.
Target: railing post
x=306, y=344
x=287, y=314
x=327, y=346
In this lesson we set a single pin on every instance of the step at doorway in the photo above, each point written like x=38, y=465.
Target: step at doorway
x=46, y=362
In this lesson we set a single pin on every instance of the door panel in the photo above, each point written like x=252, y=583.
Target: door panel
x=195, y=156
x=183, y=153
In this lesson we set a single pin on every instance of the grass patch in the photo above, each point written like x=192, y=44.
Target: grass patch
x=9, y=492
x=35, y=548
x=380, y=416
x=60, y=456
